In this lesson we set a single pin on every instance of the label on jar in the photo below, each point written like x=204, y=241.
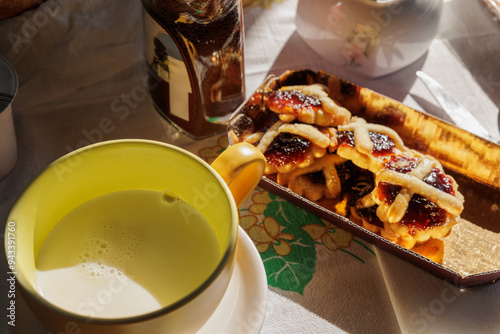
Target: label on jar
x=165, y=59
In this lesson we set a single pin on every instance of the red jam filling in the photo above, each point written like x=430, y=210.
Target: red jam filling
x=292, y=100
x=356, y=182
x=401, y=164
x=346, y=138
x=370, y=215
x=382, y=144
x=437, y=179
x=423, y=214
x=387, y=192
x=287, y=148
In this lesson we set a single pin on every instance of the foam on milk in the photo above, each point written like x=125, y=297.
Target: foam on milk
x=106, y=250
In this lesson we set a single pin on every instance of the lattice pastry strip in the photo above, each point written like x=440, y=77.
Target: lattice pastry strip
x=307, y=131
x=320, y=140
x=301, y=184
x=308, y=104
x=367, y=145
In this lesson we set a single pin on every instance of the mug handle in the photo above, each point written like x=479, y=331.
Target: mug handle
x=241, y=166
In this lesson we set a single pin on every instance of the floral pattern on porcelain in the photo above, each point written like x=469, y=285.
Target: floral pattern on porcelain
x=360, y=44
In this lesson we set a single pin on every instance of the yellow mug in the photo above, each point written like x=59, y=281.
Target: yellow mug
x=74, y=181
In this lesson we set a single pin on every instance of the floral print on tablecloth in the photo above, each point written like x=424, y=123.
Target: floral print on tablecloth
x=209, y=153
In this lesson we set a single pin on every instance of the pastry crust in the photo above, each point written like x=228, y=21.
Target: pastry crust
x=299, y=183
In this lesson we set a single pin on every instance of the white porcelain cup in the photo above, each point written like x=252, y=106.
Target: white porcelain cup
x=369, y=37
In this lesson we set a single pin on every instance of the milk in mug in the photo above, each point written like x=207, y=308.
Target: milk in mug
x=126, y=253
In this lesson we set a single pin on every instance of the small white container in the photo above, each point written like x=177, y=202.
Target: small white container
x=369, y=37
x=8, y=144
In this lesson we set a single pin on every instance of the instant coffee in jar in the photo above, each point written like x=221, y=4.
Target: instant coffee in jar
x=194, y=51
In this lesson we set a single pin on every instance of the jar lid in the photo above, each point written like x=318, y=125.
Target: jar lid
x=8, y=84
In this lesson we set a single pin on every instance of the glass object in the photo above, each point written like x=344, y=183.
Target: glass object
x=8, y=145
x=194, y=51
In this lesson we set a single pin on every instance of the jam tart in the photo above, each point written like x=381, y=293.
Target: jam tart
x=368, y=145
x=413, y=200
x=294, y=145
x=310, y=104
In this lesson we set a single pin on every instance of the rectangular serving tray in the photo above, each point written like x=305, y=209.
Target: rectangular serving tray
x=473, y=162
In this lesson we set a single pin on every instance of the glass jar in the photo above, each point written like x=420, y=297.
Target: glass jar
x=194, y=51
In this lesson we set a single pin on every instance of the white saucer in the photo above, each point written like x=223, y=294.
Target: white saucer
x=243, y=307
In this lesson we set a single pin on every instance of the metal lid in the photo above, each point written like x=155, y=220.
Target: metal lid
x=8, y=83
